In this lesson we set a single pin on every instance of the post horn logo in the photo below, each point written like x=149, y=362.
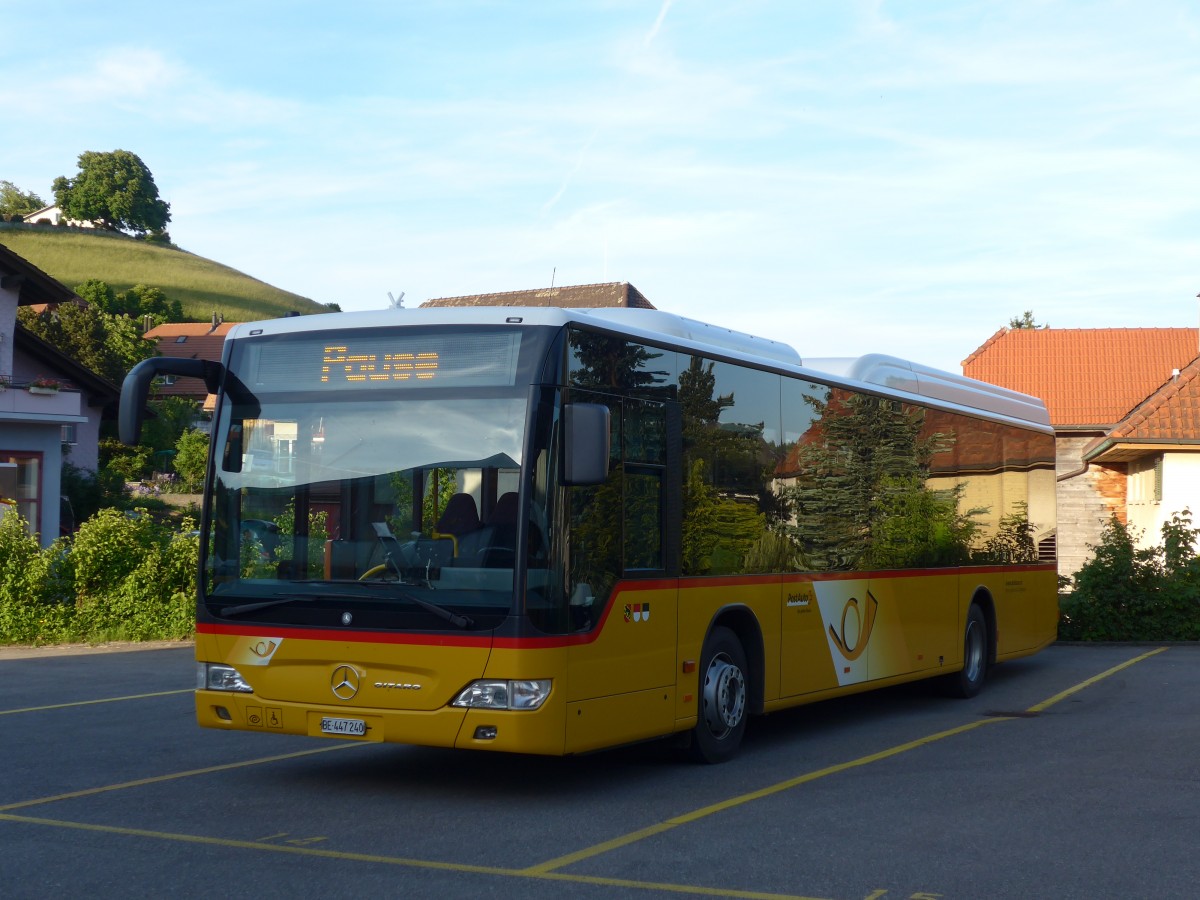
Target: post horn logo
x=344, y=682
x=852, y=648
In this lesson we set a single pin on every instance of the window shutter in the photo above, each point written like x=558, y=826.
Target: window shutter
x=1158, y=478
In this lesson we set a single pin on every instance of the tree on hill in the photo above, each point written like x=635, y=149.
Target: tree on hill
x=116, y=191
x=16, y=202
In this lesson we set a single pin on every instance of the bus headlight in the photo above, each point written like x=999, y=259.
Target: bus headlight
x=504, y=694
x=217, y=677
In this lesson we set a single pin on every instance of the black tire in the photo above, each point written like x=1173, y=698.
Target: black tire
x=969, y=681
x=723, y=701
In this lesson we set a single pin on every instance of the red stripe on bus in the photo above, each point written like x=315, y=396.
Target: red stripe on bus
x=425, y=639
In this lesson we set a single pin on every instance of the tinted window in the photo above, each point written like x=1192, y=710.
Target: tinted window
x=731, y=447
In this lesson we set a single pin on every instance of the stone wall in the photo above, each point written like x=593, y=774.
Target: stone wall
x=1087, y=499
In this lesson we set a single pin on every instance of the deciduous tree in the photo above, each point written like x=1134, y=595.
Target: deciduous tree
x=116, y=191
x=108, y=345
x=16, y=202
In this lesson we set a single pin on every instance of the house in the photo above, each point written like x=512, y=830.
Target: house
x=576, y=296
x=189, y=340
x=1158, y=443
x=53, y=215
x=1120, y=401
x=50, y=406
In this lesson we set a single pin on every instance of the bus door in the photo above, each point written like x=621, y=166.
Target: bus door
x=622, y=668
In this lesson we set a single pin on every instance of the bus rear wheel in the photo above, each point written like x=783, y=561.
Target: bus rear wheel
x=969, y=681
x=723, y=701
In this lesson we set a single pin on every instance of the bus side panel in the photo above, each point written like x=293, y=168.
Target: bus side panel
x=623, y=718
x=1026, y=603
x=844, y=631
x=915, y=625
x=701, y=601
x=808, y=659
x=630, y=660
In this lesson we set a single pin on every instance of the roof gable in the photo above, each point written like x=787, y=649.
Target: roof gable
x=1086, y=376
x=31, y=283
x=99, y=388
x=1170, y=413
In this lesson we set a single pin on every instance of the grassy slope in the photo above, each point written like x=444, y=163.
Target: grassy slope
x=200, y=285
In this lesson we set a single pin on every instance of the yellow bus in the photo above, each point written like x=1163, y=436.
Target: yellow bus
x=552, y=531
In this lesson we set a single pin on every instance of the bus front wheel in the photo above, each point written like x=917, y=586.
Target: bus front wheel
x=969, y=681
x=722, y=713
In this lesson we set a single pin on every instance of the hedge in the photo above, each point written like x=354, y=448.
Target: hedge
x=1127, y=593
x=123, y=576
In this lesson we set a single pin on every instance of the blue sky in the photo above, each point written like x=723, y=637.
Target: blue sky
x=849, y=177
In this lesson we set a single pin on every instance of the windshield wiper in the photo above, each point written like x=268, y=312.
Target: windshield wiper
x=264, y=604
x=440, y=611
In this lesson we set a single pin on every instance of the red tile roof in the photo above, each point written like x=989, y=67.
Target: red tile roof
x=1086, y=376
x=201, y=340
x=1170, y=413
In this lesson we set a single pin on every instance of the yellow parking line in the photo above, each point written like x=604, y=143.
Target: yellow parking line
x=546, y=870
x=1046, y=704
x=465, y=868
x=29, y=709
x=158, y=779
x=703, y=812
x=659, y=828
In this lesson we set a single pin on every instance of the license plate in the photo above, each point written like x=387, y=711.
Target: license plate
x=355, y=727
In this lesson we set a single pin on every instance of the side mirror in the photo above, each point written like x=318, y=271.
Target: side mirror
x=137, y=386
x=585, y=443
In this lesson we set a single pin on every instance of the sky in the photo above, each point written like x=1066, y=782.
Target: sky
x=848, y=176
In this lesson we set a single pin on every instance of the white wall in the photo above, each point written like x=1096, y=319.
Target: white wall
x=1180, y=490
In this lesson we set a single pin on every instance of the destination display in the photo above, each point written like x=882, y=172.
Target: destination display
x=395, y=360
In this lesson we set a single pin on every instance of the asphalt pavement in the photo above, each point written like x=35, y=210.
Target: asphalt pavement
x=1074, y=774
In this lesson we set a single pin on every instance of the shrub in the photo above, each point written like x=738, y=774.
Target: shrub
x=34, y=586
x=121, y=577
x=191, y=459
x=1124, y=593
x=129, y=463
x=88, y=492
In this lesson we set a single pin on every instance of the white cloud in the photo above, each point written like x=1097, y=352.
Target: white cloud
x=871, y=176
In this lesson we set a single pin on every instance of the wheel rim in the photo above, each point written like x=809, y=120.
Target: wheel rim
x=973, y=664
x=724, y=696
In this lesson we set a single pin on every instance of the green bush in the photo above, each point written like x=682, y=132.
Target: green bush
x=191, y=459
x=1126, y=593
x=122, y=577
x=89, y=492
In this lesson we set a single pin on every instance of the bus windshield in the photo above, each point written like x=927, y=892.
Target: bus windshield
x=390, y=507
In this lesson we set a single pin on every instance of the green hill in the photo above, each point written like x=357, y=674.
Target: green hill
x=200, y=285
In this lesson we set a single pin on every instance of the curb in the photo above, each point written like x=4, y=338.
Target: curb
x=24, y=652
